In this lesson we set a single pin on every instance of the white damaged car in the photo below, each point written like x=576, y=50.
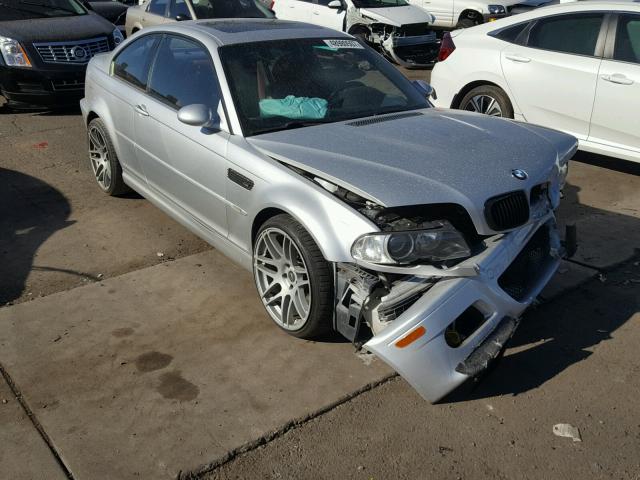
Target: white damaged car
x=311, y=161
x=399, y=30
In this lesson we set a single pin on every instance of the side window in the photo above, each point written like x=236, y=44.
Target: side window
x=627, y=47
x=178, y=7
x=509, y=34
x=577, y=34
x=183, y=74
x=132, y=64
x=158, y=7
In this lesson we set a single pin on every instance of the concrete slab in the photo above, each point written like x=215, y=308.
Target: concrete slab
x=23, y=453
x=167, y=368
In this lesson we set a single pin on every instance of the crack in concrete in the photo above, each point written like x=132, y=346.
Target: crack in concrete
x=199, y=472
x=34, y=420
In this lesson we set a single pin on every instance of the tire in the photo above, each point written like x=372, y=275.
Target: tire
x=274, y=282
x=466, y=23
x=103, y=160
x=487, y=99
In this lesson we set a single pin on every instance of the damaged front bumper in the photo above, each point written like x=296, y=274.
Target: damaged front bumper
x=418, y=51
x=451, y=329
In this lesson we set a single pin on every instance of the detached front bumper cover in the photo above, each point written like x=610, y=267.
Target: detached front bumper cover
x=431, y=363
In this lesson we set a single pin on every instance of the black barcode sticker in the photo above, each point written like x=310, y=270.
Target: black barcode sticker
x=335, y=43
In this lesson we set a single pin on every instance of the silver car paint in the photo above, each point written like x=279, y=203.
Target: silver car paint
x=429, y=364
x=392, y=163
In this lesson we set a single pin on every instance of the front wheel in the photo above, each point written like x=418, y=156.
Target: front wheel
x=293, y=279
x=489, y=100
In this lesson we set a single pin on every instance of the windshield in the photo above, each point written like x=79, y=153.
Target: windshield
x=230, y=9
x=380, y=3
x=30, y=9
x=294, y=83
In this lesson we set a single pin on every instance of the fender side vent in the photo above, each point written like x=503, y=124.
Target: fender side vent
x=386, y=118
x=240, y=179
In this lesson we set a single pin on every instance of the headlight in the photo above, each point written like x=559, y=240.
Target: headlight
x=13, y=53
x=432, y=245
x=117, y=37
x=497, y=9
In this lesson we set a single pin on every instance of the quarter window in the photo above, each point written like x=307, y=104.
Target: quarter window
x=132, y=64
x=510, y=34
x=158, y=7
x=183, y=74
x=627, y=47
x=576, y=34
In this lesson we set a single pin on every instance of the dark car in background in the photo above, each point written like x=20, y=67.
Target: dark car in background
x=113, y=10
x=45, y=46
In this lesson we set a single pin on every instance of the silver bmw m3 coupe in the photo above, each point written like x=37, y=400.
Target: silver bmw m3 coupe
x=419, y=234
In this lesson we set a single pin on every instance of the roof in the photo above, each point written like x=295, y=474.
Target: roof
x=594, y=5
x=242, y=30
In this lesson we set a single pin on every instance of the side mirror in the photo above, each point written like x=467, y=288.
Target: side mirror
x=424, y=88
x=199, y=115
x=182, y=17
x=335, y=4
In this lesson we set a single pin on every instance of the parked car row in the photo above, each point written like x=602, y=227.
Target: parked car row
x=402, y=32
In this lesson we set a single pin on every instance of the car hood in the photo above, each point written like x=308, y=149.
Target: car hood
x=398, y=16
x=57, y=29
x=423, y=156
x=113, y=11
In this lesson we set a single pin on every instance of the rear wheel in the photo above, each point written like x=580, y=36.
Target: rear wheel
x=489, y=100
x=104, y=160
x=293, y=279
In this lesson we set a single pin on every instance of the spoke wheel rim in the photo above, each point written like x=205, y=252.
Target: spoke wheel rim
x=282, y=279
x=485, y=104
x=99, y=158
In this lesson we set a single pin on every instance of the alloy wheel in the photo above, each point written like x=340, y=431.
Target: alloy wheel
x=484, y=104
x=282, y=279
x=99, y=156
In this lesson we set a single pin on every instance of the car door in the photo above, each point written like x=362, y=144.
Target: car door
x=441, y=9
x=129, y=75
x=155, y=13
x=552, y=74
x=328, y=17
x=184, y=164
x=297, y=10
x=617, y=101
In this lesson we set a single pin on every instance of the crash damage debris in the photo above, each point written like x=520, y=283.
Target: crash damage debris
x=567, y=430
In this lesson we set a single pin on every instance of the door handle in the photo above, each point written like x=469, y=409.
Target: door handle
x=618, y=78
x=142, y=110
x=517, y=58
x=316, y=13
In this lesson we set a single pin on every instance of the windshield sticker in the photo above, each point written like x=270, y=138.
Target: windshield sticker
x=336, y=44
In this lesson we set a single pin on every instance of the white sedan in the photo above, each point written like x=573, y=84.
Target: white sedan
x=574, y=67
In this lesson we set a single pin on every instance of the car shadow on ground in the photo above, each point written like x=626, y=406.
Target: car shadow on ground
x=30, y=212
x=556, y=335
